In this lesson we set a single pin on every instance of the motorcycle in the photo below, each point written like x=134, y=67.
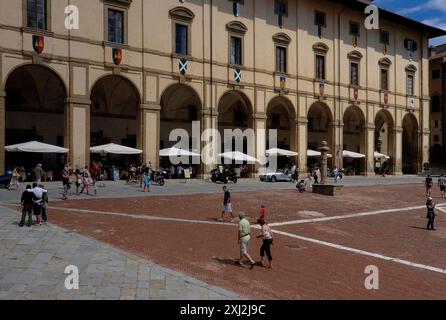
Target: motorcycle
x=217, y=176
x=159, y=177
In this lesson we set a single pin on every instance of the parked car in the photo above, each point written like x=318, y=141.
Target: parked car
x=276, y=176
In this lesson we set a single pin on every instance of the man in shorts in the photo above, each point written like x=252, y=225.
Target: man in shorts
x=244, y=235
x=442, y=186
x=227, y=205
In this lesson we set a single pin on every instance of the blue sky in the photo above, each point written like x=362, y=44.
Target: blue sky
x=431, y=12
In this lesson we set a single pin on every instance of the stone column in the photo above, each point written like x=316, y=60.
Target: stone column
x=2, y=132
x=148, y=139
x=302, y=145
x=398, y=147
x=77, y=131
x=424, y=148
x=337, y=144
x=260, y=131
x=370, y=150
x=209, y=148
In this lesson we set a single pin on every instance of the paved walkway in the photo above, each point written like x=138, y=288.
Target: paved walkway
x=33, y=262
x=175, y=187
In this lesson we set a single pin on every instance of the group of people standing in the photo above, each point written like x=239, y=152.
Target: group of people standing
x=244, y=232
x=34, y=201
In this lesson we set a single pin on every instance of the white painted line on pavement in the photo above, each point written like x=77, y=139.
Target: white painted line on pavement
x=286, y=234
x=348, y=216
x=362, y=252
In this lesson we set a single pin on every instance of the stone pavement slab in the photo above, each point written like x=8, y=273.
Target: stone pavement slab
x=33, y=262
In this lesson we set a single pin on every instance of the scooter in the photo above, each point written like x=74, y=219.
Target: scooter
x=159, y=177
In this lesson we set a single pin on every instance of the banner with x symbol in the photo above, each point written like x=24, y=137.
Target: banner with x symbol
x=183, y=66
x=238, y=75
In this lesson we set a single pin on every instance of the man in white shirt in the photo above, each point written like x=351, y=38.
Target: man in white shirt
x=38, y=201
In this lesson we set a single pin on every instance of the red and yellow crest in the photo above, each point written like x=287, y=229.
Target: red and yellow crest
x=38, y=44
x=117, y=56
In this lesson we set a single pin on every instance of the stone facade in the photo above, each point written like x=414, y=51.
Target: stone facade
x=343, y=114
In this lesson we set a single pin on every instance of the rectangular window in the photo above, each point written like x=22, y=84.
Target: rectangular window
x=181, y=39
x=410, y=45
x=236, y=51
x=410, y=85
x=436, y=124
x=384, y=37
x=36, y=14
x=320, y=67
x=320, y=19
x=281, y=58
x=435, y=74
x=384, y=79
x=115, y=26
x=354, y=29
x=354, y=74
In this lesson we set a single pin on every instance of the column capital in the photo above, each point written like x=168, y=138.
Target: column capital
x=398, y=129
x=302, y=120
x=337, y=123
x=259, y=116
x=78, y=100
x=2, y=94
x=150, y=107
x=370, y=127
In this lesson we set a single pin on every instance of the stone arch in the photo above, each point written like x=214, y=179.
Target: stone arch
x=35, y=109
x=43, y=65
x=354, y=137
x=115, y=116
x=411, y=145
x=385, y=137
x=320, y=125
x=120, y=75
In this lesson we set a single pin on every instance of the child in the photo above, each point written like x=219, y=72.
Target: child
x=267, y=236
x=147, y=182
x=301, y=186
x=262, y=212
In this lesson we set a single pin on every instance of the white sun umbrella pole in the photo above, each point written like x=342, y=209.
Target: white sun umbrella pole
x=35, y=147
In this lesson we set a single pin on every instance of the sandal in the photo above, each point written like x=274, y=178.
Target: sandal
x=252, y=265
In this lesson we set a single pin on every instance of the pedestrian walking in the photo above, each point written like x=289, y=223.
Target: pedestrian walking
x=147, y=181
x=227, y=205
x=37, y=201
x=244, y=236
x=428, y=184
x=27, y=204
x=442, y=186
x=38, y=173
x=65, y=183
x=44, y=205
x=263, y=212
x=430, y=213
x=78, y=180
x=336, y=174
x=86, y=180
x=15, y=179
x=293, y=173
x=267, y=236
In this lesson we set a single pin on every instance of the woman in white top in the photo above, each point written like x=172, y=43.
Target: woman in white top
x=267, y=236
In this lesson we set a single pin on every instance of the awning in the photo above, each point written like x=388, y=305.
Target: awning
x=237, y=156
x=114, y=149
x=175, y=152
x=281, y=152
x=35, y=147
x=351, y=154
